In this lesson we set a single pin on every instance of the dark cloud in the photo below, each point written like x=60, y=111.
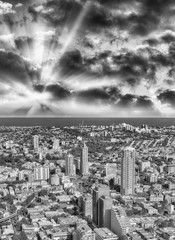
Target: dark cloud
x=15, y=67
x=168, y=38
x=126, y=100
x=148, y=17
x=100, y=15
x=172, y=53
x=56, y=90
x=134, y=67
x=130, y=67
x=152, y=42
x=71, y=62
x=113, y=96
x=171, y=73
x=144, y=102
x=39, y=87
x=93, y=95
x=98, y=95
x=152, y=12
x=135, y=102
x=167, y=96
x=14, y=2
x=161, y=59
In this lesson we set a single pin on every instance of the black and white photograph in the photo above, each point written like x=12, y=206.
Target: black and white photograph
x=87, y=119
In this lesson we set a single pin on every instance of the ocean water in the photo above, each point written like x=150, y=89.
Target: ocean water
x=20, y=121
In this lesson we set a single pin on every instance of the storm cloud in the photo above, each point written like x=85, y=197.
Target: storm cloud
x=63, y=56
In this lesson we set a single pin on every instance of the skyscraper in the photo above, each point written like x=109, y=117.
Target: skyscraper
x=104, y=211
x=128, y=171
x=84, y=168
x=98, y=191
x=36, y=142
x=69, y=165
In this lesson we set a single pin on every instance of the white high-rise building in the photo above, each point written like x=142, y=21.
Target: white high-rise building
x=84, y=165
x=56, y=144
x=41, y=173
x=128, y=171
x=70, y=165
x=36, y=141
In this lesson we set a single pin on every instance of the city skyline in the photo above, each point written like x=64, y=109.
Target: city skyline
x=97, y=182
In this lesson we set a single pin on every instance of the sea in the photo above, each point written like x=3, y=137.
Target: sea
x=68, y=121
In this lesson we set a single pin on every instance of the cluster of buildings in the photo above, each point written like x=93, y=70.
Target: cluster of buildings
x=90, y=183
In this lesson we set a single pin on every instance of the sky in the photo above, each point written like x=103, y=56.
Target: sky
x=87, y=58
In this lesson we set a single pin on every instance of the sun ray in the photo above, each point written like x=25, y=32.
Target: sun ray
x=68, y=40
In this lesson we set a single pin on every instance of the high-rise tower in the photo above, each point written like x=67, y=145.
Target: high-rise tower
x=69, y=165
x=98, y=191
x=84, y=168
x=36, y=141
x=128, y=171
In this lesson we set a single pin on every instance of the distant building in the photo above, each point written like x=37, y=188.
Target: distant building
x=56, y=144
x=119, y=221
x=69, y=165
x=152, y=177
x=128, y=171
x=104, y=215
x=171, y=167
x=41, y=173
x=55, y=179
x=98, y=191
x=21, y=176
x=36, y=142
x=84, y=168
x=111, y=169
x=145, y=165
x=105, y=234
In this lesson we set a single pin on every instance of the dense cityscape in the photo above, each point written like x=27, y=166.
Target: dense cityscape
x=84, y=182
